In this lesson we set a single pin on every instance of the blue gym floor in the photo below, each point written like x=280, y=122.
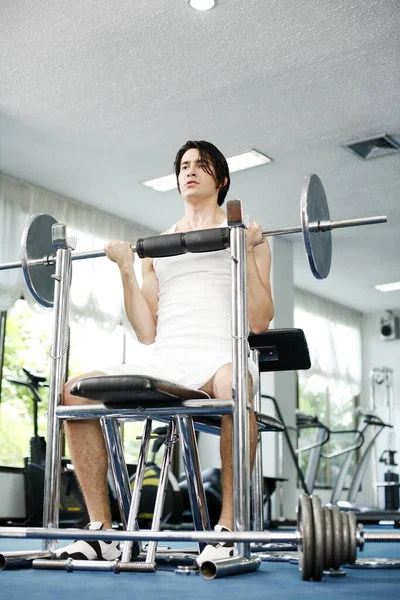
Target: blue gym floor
x=273, y=580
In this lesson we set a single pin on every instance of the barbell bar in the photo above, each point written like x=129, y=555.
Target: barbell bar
x=38, y=243
x=326, y=538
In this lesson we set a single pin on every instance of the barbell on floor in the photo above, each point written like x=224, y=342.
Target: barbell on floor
x=326, y=538
x=40, y=236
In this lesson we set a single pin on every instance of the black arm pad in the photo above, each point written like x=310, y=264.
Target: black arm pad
x=204, y=240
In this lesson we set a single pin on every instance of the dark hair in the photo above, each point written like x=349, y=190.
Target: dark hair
x=208, y=152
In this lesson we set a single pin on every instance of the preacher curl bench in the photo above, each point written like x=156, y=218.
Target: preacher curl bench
x=126, y=397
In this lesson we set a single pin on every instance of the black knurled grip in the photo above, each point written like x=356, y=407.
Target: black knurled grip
x=204, y=240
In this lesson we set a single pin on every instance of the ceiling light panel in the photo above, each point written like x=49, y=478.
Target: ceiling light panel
x=202, y=4
x=388, y=287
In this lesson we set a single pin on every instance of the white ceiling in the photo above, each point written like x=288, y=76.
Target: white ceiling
x=97, y=96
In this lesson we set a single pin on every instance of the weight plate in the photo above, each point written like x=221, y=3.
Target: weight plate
x=36, y=243
x=305, y=527
x=375, y=563
x=318, y=244
x=328, y=538
x=346, y=538
x=352, y=537
x=337, y=560
x=319, y=538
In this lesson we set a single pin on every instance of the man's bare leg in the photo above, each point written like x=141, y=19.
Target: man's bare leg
x=220, y=386
x=89, y=456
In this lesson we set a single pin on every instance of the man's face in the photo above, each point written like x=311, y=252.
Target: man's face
x=193, y=180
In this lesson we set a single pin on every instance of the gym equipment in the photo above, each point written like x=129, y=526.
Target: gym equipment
x=306, y=422
x=190, y=403
x=366, y=514
x=42, y=234
x=383, y=378
x=325, y=539
x=243, y=561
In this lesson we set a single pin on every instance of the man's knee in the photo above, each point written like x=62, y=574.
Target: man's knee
x=222, y=383
x=68, y=399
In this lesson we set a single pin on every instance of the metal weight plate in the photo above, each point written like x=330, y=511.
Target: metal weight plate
x=375, y=563
x=346, y=538
x=305, y=527
x=36, y=243
x=319, y=538
x=337, y=527
x=352, y=537
x=318, y=244
x=328, y=538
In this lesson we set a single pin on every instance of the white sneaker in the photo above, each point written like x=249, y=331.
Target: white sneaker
x=216, y=551
x=91, y=549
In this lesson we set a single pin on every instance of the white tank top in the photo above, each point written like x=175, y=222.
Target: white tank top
x=193, y=338
x=194, y=307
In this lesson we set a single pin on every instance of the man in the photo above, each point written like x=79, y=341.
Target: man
x=184, y=309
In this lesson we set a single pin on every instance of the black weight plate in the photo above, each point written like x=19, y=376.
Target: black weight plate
x=328, y=538
x=346, y=538
x=319, y=538
x=337, y=538
x=318, y=244
x=352, y=537
x=305, y=527
x=36, y=243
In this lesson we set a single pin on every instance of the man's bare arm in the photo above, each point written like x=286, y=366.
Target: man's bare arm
x=140, y=315
x=259, y=298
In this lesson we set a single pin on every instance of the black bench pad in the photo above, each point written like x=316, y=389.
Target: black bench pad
x=127, y=391
x=130, y=391
x=281, y=349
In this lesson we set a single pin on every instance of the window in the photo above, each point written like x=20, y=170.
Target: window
x=27, y=342
x=330, y=389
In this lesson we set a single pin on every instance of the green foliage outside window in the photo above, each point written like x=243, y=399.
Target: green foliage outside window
x=26, y=345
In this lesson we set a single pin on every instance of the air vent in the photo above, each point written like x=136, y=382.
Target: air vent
x=374, y=147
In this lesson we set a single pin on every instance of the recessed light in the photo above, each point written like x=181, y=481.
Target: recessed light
x=388, y=287
x=239, y=162
x=202, y=4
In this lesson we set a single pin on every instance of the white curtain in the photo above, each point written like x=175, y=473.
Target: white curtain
x=96, y=289
x=333, y=334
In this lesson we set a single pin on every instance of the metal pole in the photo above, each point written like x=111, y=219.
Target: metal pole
x=57, y=379
x=263, y=537
x=119, y=469
x=257, y=479
x=162, y=489
x=374, y=460
x=191, y=462
x=240, y=388
x=3, y=319
x=137, y=490
x=326, y=225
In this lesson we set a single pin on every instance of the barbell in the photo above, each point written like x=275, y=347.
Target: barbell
x=39, y=241
x=326, y=539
